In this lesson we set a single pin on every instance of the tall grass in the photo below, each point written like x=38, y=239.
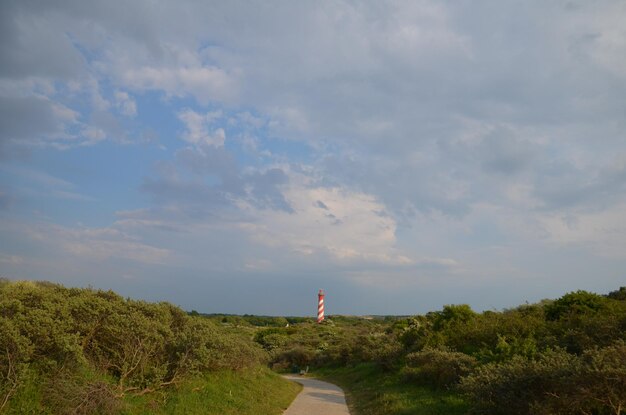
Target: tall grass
x=370, y=391
x=225, y=392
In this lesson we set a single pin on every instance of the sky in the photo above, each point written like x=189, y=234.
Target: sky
x=235, y=157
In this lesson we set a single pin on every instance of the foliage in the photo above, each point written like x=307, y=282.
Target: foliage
x=91, y=351
x=438, y=368
x=372, y=391
x=556, y=356
x=58, y=335
x=579, y=302
x=223, y=392
x=556, y=382
x=78, y=392
x=618, y=294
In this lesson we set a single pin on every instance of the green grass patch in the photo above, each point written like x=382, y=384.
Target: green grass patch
x=250, y=392
x=27, y=399
x=369, y=391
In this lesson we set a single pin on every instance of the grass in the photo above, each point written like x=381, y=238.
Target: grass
x=252, y=392
x=27, y=400
x=369, y=391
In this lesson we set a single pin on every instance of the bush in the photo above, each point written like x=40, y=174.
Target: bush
x=46, y=329
x=77, y=393
x=579, y=302
x=438, y=368
x=603, y=379
x=555, y=383
x=299, y=356
x=619, y=295
x=15, y=352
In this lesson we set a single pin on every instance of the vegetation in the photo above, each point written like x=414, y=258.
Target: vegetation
x=80, y=351
x=566, y=356
x=223, y=392
x=373, y=391
x=84, y=351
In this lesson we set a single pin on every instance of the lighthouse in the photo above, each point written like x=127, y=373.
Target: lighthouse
x=320, y=306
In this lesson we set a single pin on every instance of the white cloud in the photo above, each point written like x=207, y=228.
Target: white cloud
x=349, y=229
x=198, y=126
x=418, y=126
x=93, y=134
x=205, y=83
x=35, y=183
x=604, y=233
x=125, y=104
x=97, y=244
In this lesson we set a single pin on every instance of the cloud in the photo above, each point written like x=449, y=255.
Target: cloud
x=11, y=259
x=603, y=233
x=125, y=104
x=28, y=183
x=103, y=244
x=96, y=244
x=403, y=143
x=348, y=230
x=565, y=186
x=205, y=83
x=32, y=45
x=34, y=119
x=198, y=128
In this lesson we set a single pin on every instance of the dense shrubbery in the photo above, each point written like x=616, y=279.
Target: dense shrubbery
x=351, y=341
x=438, y=368
x=83, y=347
x=79, y=350
x=563, y=356
x=556, y=382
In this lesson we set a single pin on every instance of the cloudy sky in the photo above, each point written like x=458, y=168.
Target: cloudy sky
x=238, y=156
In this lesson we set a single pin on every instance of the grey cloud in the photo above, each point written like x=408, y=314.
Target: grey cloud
x=382, y=82
x=266, y=189
x=504, y=154
x=562, y=186
x=217, y=180
x=392, y=98
x=180, y=192
x=110, y=125
x=32, y=45
x=321, y=205
x=213, y=161
x=27, y=118
x=498, y=150
x=404, y=190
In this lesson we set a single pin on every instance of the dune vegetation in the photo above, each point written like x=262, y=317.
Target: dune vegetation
x=566, y=356
x=86, y=351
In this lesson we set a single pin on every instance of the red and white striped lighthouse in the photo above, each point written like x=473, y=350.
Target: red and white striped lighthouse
x=320, y=306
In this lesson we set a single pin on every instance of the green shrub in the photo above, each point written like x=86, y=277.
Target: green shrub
x=555, y=383
x=299, y=356
x=579, y=302
x=15, y=354
x=438, y=368
x=78, y=393
x=618, y=294
x=46, y=329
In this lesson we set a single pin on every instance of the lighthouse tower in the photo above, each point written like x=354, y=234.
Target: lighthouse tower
x=320, y=306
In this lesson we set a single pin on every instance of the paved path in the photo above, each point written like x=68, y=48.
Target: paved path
x=317, y=398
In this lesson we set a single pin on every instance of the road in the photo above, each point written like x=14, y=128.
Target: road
x=317, y=398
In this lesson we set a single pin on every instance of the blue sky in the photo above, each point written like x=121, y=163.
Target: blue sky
x=238, y=156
